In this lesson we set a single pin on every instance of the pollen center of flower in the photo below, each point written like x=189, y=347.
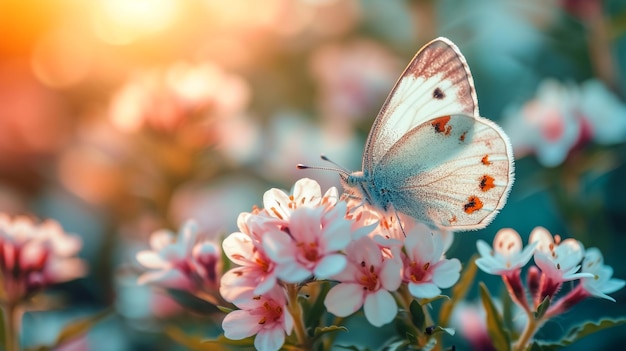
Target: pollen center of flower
x=272, y=312
x=418, y=272
x=310, y=251
x=369, y=280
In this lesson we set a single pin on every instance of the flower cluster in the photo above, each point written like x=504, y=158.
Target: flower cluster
x=562, y=117
x=557, y=261
x=186, y=262
x=306, y=237
x=34, y=256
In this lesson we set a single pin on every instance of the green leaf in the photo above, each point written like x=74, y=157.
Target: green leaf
x=495, y=326
x=459, y=291
x=542, y=308
x=578, y=332
x=224, y=309
x=329, y=329
x=80, y=327
x=192, y=302
x=417, y=315
x=438, y=330
x=313, y=314
x=433, y=299
x=198, y=343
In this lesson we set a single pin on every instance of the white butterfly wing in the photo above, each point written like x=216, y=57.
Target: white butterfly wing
x=452, y=172
x=436, y=83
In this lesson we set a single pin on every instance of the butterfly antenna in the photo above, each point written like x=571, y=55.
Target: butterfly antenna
x=400, y=222
x=324, y=158
x=339, y=169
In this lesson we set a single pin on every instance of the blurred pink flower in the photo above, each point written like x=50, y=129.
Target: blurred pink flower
x=183, y=98
x=547, y=126
x=604, y=113
x=34, y=256
x=368, y=280
x=562, y=117
x=426, y=270
x=265, y=316
x=353, y=79
x=310, y=244
x=182, y=262
x=469, y=319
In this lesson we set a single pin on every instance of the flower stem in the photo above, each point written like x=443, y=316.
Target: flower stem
x=528, y=333
x=298, y=317
x=13, y=321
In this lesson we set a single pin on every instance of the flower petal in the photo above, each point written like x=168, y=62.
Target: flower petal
x=238, y=247
x=424, y=290
x=240, y=324
x=446, y=273
x=269, y=339
x=380, y=308
x=330, y=265
x=344, y=299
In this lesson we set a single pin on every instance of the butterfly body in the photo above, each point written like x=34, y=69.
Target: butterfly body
x=429, y=154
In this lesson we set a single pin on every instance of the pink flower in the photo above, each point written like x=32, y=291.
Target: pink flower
x=33, y=256
x=181, y=262
x=265, y=316
x=507, y=254
x=352, y=77
x=366, y=281
x=426, y=269
x=311, y=244
x=257, y=272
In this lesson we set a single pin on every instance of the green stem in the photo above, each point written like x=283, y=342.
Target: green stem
x=528, y=333
x=298, y=317
x=13, y=321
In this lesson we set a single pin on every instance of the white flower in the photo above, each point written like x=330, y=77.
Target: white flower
x=306, y=193
x=559, y=261
x=507, y=254
x=602, y=282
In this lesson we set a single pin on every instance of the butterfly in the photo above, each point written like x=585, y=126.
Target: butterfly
x=429, y=154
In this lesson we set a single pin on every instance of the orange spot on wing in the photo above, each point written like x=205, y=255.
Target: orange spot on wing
x=452, y=220
x=485, y=160
x=486, y=182
x=462, y=137
x=473, y=204
x=441, y=125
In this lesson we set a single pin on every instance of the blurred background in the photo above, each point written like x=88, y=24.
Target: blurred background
x=120, y=117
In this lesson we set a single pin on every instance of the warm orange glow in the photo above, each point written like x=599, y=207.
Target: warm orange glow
x=62, y=57
x=122, y=22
